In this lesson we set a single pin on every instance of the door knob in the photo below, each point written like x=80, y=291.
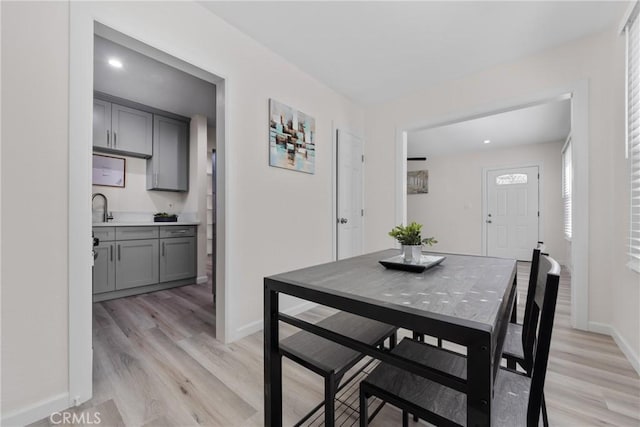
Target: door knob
x=488, y=221
x=343, y=220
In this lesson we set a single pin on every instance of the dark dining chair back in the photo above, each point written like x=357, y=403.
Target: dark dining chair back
x=545, y=302
x=530, y=315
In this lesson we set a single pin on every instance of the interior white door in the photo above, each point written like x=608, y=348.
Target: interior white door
x=512, y=212
x=349, y=204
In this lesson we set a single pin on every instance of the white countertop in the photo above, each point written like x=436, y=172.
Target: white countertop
x=141, y=224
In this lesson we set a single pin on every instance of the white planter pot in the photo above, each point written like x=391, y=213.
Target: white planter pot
x=411, y=253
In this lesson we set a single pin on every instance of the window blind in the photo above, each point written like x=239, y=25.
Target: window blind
x=567, y=181
x=633, y=135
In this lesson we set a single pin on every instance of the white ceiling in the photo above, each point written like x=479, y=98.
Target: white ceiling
x=376, y=51
x=547, y=122
x=150, y=82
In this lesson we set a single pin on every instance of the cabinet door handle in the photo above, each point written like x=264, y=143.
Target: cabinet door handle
x=155, y=179
x=178, y=232
x=115, y=138
x=107, y=138
x=118, y=252
x=162, y=248
x=111, y=252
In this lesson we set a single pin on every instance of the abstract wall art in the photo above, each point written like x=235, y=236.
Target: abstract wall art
x=292, y=136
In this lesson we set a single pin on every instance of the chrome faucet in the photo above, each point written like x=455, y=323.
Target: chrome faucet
x=106, y=215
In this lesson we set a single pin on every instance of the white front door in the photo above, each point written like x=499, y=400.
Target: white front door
x=349, y=204
x=512, y=212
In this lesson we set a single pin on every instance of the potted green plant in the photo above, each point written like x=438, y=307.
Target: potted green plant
x=411, y=240
x=164, y=217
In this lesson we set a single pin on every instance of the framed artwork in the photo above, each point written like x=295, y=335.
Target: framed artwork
x=292, y=136
x=108, y=171
x=418, y=182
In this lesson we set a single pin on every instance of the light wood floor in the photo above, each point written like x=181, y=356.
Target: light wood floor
x=157, y=363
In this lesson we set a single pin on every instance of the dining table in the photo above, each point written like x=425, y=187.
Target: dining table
x=466, y=300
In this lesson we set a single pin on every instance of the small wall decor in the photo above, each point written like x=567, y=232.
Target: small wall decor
x=292, y=137
x=108, y=171
x=418, y=182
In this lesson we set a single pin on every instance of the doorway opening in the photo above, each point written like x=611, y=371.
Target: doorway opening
x=179, y=102
x=459, y=151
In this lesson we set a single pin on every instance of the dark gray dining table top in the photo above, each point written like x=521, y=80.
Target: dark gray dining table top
x=462, y=287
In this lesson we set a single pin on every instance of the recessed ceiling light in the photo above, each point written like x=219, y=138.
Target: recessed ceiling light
x=486, y=141
x=115, y=63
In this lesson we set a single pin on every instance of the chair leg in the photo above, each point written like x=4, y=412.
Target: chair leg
x=364, y=416
x=405, y=418
x=415, y=418
x=511, y=363
x=329, y=401
x=545, y=417
x=439, y=342
x=393, y=340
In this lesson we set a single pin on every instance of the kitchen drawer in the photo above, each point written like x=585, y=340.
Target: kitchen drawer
x=177, y=231
x=136, y=233
x=105, y=234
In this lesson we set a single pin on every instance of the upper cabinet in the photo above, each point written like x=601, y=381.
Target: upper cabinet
x=125, y=127
x=132, y=130
x=120, y=129
x=168, y=169
x=101, y=124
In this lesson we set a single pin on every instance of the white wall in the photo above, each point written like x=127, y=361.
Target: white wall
x=598, y=59
x=452, y=210
x=260, y=200
x=35, y=73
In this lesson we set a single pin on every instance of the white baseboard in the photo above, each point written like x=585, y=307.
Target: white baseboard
x=256, y=326
x=603, y=328
x=36, y=411
x=202, y=279
x=600, y=328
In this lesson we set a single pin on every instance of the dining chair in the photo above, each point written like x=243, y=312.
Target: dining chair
x=520, y=338
x=332, y=360
x=517, y=397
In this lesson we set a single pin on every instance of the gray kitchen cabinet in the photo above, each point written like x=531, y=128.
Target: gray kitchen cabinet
x=177, y=258
x=137, y=233
x=122, y=130
x=132, y=130
x=105, y=234
x=101, y=123
x=104, y=268
x=168, y=169
x=136, y=263
x=139, y=259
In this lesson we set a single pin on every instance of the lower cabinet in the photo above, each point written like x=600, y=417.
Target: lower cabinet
x=136, y=263
x=177, y=258
x=131, y=257
x=104, y=268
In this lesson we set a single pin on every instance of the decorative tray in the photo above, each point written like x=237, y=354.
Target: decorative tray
x=398, y=263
